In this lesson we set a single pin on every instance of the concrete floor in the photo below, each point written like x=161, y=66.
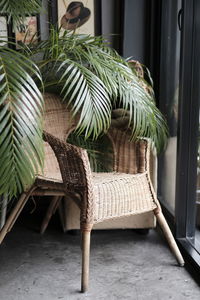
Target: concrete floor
x=124, y=265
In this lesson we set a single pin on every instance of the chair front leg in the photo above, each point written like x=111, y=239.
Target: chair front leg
x=15, y=213
x=86, y=233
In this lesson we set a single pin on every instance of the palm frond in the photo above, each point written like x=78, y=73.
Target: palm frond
x=21, y=108
x=18, y=10
x=89, y=96
x=145, y=119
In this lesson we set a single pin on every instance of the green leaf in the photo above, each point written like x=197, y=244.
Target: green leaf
x=20, y=9
x=21, y=110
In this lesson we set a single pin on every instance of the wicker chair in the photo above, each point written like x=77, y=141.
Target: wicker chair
x=100, y=196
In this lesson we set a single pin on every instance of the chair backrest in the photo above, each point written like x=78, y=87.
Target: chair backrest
x=57, y=118
x=100, y=151
x=113, y=152
x=58, y=122
x=128, y=155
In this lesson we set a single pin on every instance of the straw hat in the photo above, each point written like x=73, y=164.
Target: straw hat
x=76, y=15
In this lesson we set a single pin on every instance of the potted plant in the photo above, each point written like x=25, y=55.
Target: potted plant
x=91, y=77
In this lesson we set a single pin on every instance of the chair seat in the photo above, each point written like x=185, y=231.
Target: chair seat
x=52, y=179
x=116, y=194
x=120, y=194
x=48, y=182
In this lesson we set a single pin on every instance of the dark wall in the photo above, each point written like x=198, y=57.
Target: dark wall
x=127, y=25
x=134, y=33
x=109, y=21
x=133, y=28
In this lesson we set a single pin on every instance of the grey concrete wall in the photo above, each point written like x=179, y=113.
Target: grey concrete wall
x=134, y=43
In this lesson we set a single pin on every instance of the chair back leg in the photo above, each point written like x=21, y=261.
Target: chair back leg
x=168, y=235
x=50, y=211
x=86, y=233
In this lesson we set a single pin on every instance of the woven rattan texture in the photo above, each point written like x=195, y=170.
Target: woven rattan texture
x=57, y=118
x=76, y=174
x=129, y=157
x=119, y=194
x=58, y=122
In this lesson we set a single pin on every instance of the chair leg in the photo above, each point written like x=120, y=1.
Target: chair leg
x=61, y=211
x=86, y=233
x=168, y=235
x=50, y=211
x=15, y=213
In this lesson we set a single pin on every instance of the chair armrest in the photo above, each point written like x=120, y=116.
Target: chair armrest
x=76, y=173
x=143, y=155
x=73, y=162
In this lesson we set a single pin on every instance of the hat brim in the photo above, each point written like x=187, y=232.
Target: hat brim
x=71, y=24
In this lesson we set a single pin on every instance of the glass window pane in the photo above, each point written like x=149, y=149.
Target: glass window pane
x=169, y=91
x=197, y=233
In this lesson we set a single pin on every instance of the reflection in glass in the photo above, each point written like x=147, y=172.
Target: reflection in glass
x=197, y=235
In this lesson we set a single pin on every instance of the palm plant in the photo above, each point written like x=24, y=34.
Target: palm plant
x=91, y=78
